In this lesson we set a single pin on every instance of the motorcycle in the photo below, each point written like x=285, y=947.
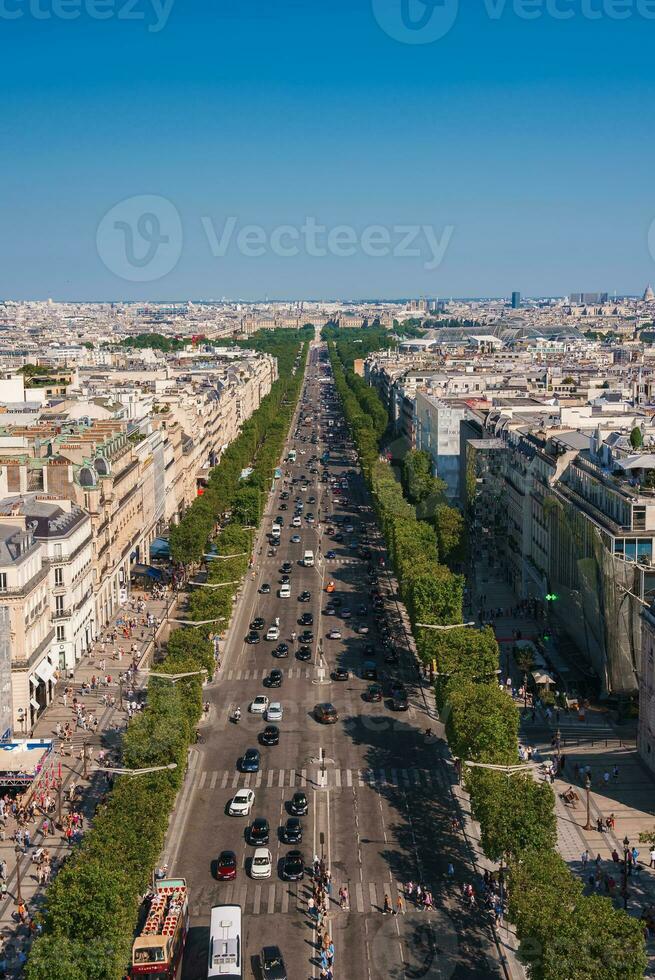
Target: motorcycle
x=236, y=717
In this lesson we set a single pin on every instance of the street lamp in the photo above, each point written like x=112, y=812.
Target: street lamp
x=587, y=786
x=19, y=896
x=137, y=772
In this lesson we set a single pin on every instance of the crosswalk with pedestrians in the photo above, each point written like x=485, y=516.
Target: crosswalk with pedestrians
x=270, y=898
x=335, y=778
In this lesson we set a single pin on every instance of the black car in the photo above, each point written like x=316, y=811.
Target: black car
x=292, y=831
x=400, y=701
x=265, y=589
x=270, y=735
x=340, y=674
x=286, y=567
x=279, y=520
x=369, y=671
x=293, y=866
x=306, y=636
x=306, y=620
x=305, y=596
x=304, y=653
x=253, y=637
x=373, y=692
x=257, y=623
x=281, y=651
x=271, y=964
x=259, y=831
x=275, y=678
x=298, y=804
x=284, y=495
x=283, y=506
x=249, y=761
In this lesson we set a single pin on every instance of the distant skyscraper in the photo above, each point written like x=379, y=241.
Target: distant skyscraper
x=516, y=300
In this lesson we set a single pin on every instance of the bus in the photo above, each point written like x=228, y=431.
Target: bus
x=225, y=947
x=292, y=456
x=157, y=950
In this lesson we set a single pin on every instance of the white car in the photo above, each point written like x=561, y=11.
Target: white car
x=273, y=633
x=274, y=712
x=334, y=635
x=262, y=863
x=260, y=705
x=242, y=803
x=296, y=522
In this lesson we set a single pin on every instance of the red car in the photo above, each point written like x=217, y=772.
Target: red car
x=226, y=866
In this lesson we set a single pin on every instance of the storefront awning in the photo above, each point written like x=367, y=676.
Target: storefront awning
x=45, y=671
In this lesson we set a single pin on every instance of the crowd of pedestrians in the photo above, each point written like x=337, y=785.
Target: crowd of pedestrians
x=317, y=907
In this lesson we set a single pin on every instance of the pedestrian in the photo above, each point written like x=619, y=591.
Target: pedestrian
x=451, y=871
x=606, y=778
x=615, y=773
x=584, y=859
x=22, y=912
x=399, y=906
x=387, y=905
x=652, y=857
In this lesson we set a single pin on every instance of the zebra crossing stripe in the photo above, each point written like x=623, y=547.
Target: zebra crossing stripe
x=257, y=900
x=203, y=777
x=280, y=781
x=212, y=784
x=359, y=897
x=271, y=899
x=372, y=895
x=285, y=900
x=269, y=781
x=292, y=778
x=224, y=779
x=258, y=779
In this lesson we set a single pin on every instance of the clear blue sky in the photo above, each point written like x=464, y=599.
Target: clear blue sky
x=533, y=140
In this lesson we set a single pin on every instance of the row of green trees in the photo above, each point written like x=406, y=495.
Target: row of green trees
x=93, y=903
x=562, y=932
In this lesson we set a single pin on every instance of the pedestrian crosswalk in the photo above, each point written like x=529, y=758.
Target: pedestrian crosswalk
x=335, y=778
x=280, y=897
x=257, y=673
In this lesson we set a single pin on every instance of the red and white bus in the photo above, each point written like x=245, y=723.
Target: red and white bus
x=157, y=950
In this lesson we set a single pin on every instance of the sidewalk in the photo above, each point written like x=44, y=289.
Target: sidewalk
x=63, y=776
x=594, y=742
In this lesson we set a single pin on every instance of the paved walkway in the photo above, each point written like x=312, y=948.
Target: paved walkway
x=595, y=742
x=63, y=786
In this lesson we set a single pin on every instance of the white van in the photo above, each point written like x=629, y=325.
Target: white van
x=275, y=531
x=285, y=591
x=308, y=559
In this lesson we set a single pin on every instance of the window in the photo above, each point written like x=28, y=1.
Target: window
x=59, y=605
x=58, y=554
x=59, y=576
x=639, y=518
x=3, y=581
x=61, y=634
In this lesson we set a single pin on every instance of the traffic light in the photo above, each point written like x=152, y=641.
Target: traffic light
x=551, y=597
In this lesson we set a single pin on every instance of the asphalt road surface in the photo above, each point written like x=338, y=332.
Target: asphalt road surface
x=379, y=794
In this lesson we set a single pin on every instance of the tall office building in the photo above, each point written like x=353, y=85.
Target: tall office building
x=516, y=300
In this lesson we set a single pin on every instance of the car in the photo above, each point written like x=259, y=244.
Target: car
x=265, y=589
x=306, y=619
x=298, y=804
x=271, y=964
x=291, y=832
x=275, y=678
x=259, y=705
x=257, y=623
x=330, y=610
x=279, y=520
x=399, y=701
x=259, y=831
x=286, y=567
x=311, y=500
x=369, y=650
x=337, y=601
x=293, y=866
x=330, y=554
x=340, y=674
x=334, y=635
x=304, y=653
x=373, y=692
x=281, y=651
x=309, y=518
x=326, y=713
x=242, y=803
x=363, y=629
x=275, y=711
x=284, y=495
x=261, y=865
x=226, y=866
x=369, y=671
x=285, y=579
x=338, y=538
x=253, y=637
x=392, y=658
x=273, y=633
x=284, y=506
x=305, y=596
x=330, y=587
x=250, y=761
x=306, y=637
x=270, y=735
x=362, y=610
x=349, y=529
x=295, y=539
x=346, y=613
x=296, y=522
